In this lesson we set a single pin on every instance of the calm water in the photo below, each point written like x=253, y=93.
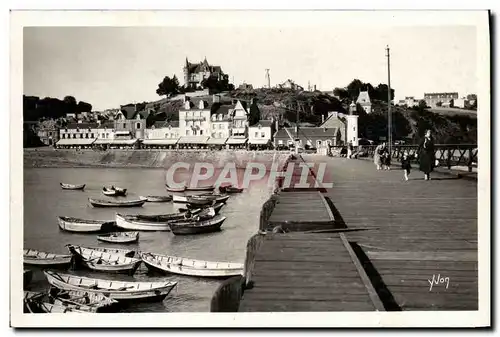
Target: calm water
x=44, y=200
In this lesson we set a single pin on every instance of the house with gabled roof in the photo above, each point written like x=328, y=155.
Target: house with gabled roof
x=364, y=101
x=195, y=73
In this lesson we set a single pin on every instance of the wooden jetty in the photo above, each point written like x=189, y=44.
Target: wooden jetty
x=373, y=242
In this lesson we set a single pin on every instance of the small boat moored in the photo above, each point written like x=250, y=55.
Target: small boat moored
x=200, y=188
x=230, y=189
x=119, y=237
x=96, y=301
x=124, y=203
x=42, y=259
x=158, y=198
x=99, y=251
x=197, y=227
x=135, y=222
x=72, y=187
x=114, y=191
x=84, y=226
x=175, y=188
x=191, y=267
x=117, y=290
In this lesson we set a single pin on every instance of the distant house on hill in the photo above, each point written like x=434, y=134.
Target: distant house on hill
x=245, y=86
x=364, y=101
x=289, y=84
x=195, y=73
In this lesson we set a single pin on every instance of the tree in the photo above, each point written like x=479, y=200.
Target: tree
x=168, y=87
x=439, y=104
x=422, y=104
x=83, y=107
x=341, y=93
x=254, y=115
x=354, y=88
x=382, y=91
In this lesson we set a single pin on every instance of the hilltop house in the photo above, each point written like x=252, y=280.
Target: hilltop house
x=289, y=84
x=434, y=99
x=195, y=73
x=364, y=101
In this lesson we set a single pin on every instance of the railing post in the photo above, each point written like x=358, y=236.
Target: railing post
x=449, y=159
x=470, y=159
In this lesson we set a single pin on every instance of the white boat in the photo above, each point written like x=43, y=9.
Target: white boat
x=104, y=262
x=72, y=186
x=44, y=259
x=99, y=251
x=179, y=198
x=191, y=267
x=175, y=189
x=96, y=301
x=135, y=223
x=117, y=290
x=109, y=203
x=84, y=226
x=119, y=237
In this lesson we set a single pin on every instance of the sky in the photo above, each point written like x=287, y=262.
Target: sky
x=109, y=66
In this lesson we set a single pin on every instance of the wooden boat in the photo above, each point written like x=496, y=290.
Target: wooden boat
x=191, y=267
x=99, y=251
x=230, y=189
x=72, y=187
x=104, y=262
x=175, y=189
x=142, y=224
x=27, y=276
x=198, y=227
x=30, y=300
x=201, y=201
x=196, y=208
x=109, y=203
x=179, y=198
x=96, y=301
x=200, y=188
x=39, y=306
x=37, y=258
x=84, y=226
x=117, y=290
x=114, y=191
x=215, y=197
x=156, y=217
x=119, y=237
x=158, y=198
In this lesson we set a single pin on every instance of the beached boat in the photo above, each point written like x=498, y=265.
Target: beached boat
x=141, y=224
x=117, y=290
x=114, y=191
x=99, y=251
x=158, y=198
x=200, y=188
x=113, y=203
x=96, y=301
x=85, y=226
x=104, y=262
x=230, y=189
x=72, y=187
x=27, y=276
x=191, y=267
x=119, y=237
x=197, y=227
x=36, y=305
x=42, y=259
x=155, y=217
x=175, y=189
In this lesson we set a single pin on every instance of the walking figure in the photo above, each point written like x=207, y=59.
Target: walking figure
x=426, y=155
x=406, y=165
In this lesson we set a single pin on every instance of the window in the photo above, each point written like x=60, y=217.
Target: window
x=124, y=125
x=201, y=132
x=166, y=135
x=138, y=126
x=353, y=128
x=256, y=134
x=220, y=134
x=262, y=134
x=92, y=135
x=107, y=135
x=81, y=135
x=103, y=135
x=187, y=124
x=280, y=142
x=214, y=118
x=319, y=142
x=63, y=136
x=87, y=135
x=213, y=134
x=187, y=132
x=50, y=133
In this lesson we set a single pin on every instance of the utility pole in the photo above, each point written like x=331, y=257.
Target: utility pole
x=297, y=138
x=268, y=78
x=389, y=117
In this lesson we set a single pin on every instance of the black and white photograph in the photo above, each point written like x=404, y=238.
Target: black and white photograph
x=330, y=166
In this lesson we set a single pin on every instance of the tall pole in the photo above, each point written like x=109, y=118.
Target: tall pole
x=268, y=79
x=389, y=117
x=297, y=131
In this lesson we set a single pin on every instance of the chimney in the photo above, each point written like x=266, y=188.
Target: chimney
x=315, y=87
x=322, y=118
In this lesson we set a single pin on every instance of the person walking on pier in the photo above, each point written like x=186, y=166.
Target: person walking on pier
x=406, y=165
x=426, y=155
x=380, y=155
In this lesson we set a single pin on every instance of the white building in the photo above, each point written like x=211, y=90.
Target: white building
x=162, y=135
x=260, y=134
x=194, y=123
x=364, y=101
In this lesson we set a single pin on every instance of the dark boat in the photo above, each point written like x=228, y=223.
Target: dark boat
x=72, y=187
x=201, y=201
x=215, y=197
x=27, y=276
x=230, y=189
x=109, y=203
x=114, y=191
x=158, y=198
x=200, y=188
x=192, y=208
x=197, y=227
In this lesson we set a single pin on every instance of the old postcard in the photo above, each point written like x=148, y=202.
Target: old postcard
x=250, y=169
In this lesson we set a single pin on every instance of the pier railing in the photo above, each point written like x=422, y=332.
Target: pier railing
x=448, y=154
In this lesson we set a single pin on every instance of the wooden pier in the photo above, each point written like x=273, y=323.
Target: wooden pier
x=373, y=242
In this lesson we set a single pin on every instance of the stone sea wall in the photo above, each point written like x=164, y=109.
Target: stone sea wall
x=48, y=157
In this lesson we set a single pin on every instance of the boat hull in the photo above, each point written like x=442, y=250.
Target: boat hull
x=201, y=188
x=85, y=227
x=133, y=237
x=129, y=268
x=46, y=260
x=188, y=230
x=152, y=294
x=179, y=198
x=104, y=203
x=167, y=264
x=124, y=223
x=152, y=198
x=175, y=189
x=27, y=277
x=72, y=187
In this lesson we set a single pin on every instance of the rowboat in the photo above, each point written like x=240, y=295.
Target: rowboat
x=185, y=266
x=215, y=197
x=119, y=237
x=156, y=217
x=198, y=227
x=99, y=251
x=71, y=186
x=179, y=198
x=230, y=189
x=200, y=188
x=37, y=305
x=117, y=290
x=27, y=276
x=30, y=300
x=114, y=191
x=109, y=203
x=138, y=223
x=202, y=201
x=84, y=226
x=175, y=189
x=104, y=262
x=196, y=208
x=43, y=259
x=96, y=301
x=158, y=198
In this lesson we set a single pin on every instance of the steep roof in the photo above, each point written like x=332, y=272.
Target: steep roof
x=263, y=123
x=333, y=121
x=363, y=98
x=308, y=133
